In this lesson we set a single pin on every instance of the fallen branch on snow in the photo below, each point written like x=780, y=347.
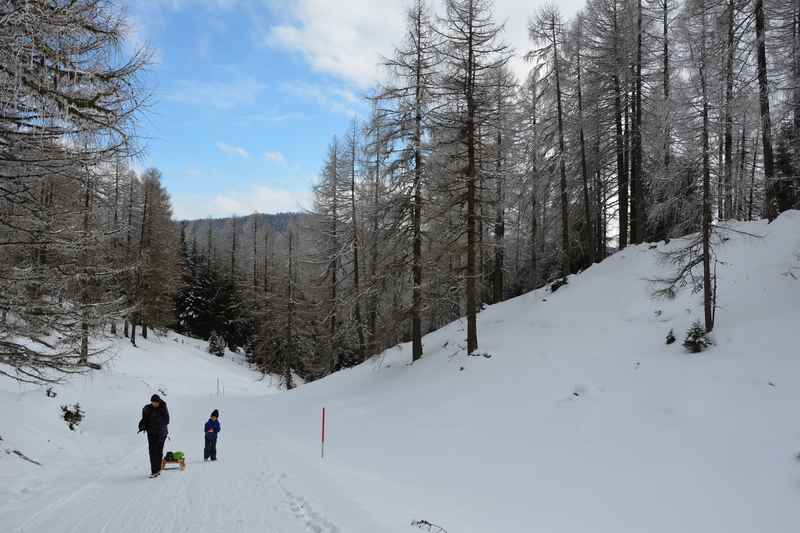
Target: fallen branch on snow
x=23, y=457
x=427, y=526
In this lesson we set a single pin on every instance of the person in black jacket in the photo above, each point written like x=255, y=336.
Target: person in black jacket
x=155, y=419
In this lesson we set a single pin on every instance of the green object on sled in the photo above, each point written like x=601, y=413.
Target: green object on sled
x=178, y=456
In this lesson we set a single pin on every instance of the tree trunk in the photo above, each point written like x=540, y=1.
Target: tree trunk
x=637, y=180
x=481, y=187
x=129, y=237
x=517, y=290
x=565, y=249
x=234, y=228
x=796, y=72
x=622, y=170
x=416, y=291
x=140, y=282
x=255, y=253
x=728, y=197
x=600, y=214
x=266, y=288
x=333, y=266
x=471, y=272
x=588, y=239
x=84, y=297
x=373, y=300
x=115, y=242
x=290, y=311
x=721, y=158
x=626, y=117
x=708, y=297
x=84, y=358
x=499, y=228
x=266, y=260
x=666, y=87
x=533, y=275
x=752, y=179
x=766, y=121
x=622, y=166
x=737, y=212
x=356, y=270
x=545, y=202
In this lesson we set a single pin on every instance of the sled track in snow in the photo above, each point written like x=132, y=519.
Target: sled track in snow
x=125, y=501
x=45, y=511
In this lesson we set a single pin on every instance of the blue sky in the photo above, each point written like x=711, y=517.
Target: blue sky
x=248, y=93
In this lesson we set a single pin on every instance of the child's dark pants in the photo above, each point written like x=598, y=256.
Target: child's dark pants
x=210, y=450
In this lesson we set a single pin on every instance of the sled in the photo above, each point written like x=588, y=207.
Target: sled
x=181, y=464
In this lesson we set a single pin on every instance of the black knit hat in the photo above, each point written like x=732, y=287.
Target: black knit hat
x=155, y=398
x=215, y=413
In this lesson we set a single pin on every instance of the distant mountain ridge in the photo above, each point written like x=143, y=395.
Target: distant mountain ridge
x=277, y=221
x=222, y=234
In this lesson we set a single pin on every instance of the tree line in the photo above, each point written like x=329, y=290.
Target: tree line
x=84, y=241
x=638, y=120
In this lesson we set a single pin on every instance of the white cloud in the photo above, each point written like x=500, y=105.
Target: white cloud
x=219, y=94
x=347, y=41
x=233, y=150
x=275, y=157
x=257, y=198
x=333, y=99
x=276, y=115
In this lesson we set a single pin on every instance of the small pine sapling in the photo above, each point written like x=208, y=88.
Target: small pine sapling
x=250, y=349
x=697, y=340
x=216, y=344
x=73, y=415
x=671, y=337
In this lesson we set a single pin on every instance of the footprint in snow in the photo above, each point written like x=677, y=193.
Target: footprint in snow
x=315, y=522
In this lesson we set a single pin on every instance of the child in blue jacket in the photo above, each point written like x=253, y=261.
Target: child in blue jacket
x=212, y=429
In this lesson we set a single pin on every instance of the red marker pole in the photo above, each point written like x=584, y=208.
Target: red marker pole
x=323, y=433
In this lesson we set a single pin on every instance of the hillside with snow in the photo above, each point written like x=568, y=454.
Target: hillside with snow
x=576, y=416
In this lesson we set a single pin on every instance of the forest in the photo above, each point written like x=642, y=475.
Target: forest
x=638, y=121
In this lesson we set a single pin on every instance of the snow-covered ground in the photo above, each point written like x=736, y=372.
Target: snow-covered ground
x=578, y=418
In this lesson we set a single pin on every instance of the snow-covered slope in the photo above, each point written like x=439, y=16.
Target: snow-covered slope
x=581, y=419
x=106, y=441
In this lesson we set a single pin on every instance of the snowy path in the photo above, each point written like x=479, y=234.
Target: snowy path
x=95, y=480
x=253, y=486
